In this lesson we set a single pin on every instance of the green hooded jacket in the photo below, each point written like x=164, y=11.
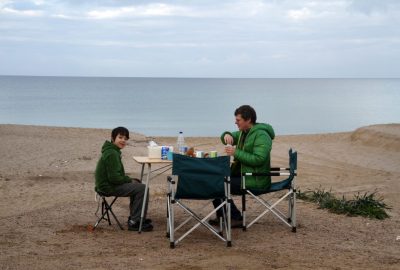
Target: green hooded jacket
x=110, y=171
x=254, y=154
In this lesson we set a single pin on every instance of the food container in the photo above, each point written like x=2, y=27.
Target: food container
x=213, y=154
x=199, y=154
x=154, y=152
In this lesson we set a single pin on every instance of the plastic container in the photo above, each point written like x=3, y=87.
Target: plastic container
x=180, y=144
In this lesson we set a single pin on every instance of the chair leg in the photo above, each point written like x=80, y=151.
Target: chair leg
x=101, y=218
x=290, y=202
x=112, y=213
x=244, y=227
x=171, y=224
x=106, y=209
x=222, y=222
x=293, y=217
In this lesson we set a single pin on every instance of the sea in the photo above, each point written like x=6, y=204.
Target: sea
x=198, y=106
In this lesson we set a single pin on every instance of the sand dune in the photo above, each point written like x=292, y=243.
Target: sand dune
x=382, y=136
x=47, y=201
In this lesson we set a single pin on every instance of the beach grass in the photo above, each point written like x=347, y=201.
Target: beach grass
x=366, y=205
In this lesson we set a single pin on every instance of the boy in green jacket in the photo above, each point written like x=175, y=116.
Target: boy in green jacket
x=253, y=144
x=111, y=179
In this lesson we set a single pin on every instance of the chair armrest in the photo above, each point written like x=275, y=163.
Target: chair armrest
x=279, y=169
x=267, y=174
x=169, y=179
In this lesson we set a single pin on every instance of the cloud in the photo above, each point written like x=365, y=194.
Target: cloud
x=258, y=36
x=142, y=11
x=299, y=14
x=27, y=13
x=373, y=6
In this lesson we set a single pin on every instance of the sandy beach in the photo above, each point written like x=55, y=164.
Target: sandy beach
x=48, y=201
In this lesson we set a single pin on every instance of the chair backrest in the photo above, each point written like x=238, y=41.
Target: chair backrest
x=292, y=161
x=200, y=178
x=286, y=183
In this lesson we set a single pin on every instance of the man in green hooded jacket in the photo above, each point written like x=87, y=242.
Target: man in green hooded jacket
x=111, y=179
x=251, y=147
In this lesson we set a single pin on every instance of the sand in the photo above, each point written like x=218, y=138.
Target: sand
x=47, y=202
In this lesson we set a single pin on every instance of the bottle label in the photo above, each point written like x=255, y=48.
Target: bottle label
x=183, y=150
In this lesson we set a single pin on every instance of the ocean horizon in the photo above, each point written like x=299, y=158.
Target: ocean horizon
x=198, y=106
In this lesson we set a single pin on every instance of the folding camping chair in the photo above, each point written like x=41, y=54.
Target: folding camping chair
x=287, y=185
x=198, y=179
x=106, y=209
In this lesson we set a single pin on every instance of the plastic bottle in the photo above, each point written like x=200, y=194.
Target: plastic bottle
x=180, y=143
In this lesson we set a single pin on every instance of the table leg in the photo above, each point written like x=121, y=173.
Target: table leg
x=141, y=174
x=146, y=193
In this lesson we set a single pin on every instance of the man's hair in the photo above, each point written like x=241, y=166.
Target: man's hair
x=247, y=112
x=121, y=131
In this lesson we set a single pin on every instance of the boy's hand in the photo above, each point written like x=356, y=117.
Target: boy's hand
x=137, y=180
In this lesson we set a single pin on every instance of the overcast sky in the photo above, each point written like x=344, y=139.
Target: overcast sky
x=269, y=39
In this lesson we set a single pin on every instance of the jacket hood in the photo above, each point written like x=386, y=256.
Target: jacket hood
x=267, y=127
x=109, y=146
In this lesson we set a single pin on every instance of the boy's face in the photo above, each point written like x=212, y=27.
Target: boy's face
x=120, y=141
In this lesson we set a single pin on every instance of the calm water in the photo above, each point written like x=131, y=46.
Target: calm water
x=198, y=107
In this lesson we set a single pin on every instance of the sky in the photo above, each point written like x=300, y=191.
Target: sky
x=185, y=38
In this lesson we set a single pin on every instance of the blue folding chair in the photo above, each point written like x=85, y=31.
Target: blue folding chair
x=287, y=185
x=198, y=179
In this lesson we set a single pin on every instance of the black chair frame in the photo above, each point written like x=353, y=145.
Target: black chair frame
x=106, y=209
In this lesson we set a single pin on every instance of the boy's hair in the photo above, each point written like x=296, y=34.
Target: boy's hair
x=121, y=131
x=247, y=112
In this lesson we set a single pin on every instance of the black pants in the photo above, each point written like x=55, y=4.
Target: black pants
x=235, y=190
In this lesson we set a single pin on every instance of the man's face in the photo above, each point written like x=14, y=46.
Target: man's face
x=242, y=124
x=120, y=141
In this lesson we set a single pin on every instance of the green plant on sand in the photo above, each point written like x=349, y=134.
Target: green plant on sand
x=366, y=205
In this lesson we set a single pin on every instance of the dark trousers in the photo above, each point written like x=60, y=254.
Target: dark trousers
x=135, y=191
x=235, y=190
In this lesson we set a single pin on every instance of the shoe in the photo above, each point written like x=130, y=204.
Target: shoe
x=235, y=223
x=134, y=226
x=146, y=220
x=214, y=222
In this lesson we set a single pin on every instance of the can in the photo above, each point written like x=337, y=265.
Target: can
x=164, y=152
x=182, y=150
x=199, y=154
x=213, y=154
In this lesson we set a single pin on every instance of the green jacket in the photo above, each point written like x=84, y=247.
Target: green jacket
x=255, y=154
x=110, y=171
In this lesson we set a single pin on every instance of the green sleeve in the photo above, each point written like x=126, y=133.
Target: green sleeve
x=259, y=155
x=235, y=135
x=115, y=170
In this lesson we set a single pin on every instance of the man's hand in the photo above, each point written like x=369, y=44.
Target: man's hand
x=230, y=150
x=228, y=139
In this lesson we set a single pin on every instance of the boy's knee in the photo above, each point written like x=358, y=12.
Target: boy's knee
x=141, y=188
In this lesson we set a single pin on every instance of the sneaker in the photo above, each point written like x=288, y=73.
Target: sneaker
x=214, y=222
x=134, y=226
x=146, y=220
x=235, y=223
